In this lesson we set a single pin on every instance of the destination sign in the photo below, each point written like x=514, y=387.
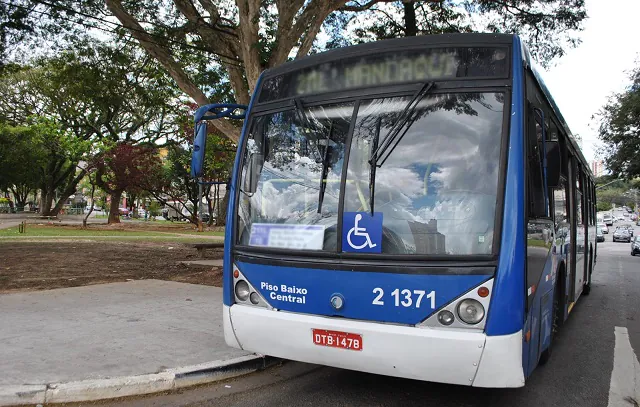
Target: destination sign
x=387, y=69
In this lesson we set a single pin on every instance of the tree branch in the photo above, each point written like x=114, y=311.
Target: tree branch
x=365, y=6
x=161, y=54
x=249, y=14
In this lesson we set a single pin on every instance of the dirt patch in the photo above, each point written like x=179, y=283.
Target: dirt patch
x=28, y=266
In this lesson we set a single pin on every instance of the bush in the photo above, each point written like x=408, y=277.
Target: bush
x=604, y=206
x=154, y=208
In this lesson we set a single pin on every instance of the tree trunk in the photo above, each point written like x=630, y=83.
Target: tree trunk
x=93, y=190
x=222, y=208
x=133, y=205
x=20, y=193
x=46, y=200
x=114, y=208
x=211, y=203
x=411, y=28
x=71, y=188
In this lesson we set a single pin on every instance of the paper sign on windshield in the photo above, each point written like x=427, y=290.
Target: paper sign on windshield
x=301, y=237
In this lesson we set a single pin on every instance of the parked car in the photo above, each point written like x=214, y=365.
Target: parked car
x=124, y=212
x=635, y=246
x=621, y=235
x=602, y=226
x=599, y=235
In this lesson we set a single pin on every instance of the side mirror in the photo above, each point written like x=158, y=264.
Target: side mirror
x=554, y=163
x=252, y=173
x=199, y=145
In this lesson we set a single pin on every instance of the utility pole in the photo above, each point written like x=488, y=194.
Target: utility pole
x=609, y=183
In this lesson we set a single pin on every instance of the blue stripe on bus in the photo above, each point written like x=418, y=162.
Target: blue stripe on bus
x=506, y=313
x=370, y=296
x=227, y=281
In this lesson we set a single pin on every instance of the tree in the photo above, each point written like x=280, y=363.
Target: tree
x=125, y=167
x=99, y=92
x=19, y=169
x=547, y=26
x=245, y=37
x=620, y=130
x=218, y=163
x=173, y=185
x=46, y=157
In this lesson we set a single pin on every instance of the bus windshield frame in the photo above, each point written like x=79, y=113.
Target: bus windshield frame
x=353, y=98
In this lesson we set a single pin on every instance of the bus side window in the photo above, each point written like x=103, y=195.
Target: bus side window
x=538, y=201
x=561, y=214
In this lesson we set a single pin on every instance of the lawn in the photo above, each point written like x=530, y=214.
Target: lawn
x=62, y=231
x=107, y=232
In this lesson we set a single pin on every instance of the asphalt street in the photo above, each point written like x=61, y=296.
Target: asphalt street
x=579, y=373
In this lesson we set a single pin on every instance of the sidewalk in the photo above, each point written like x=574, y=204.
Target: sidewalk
x=93, y=342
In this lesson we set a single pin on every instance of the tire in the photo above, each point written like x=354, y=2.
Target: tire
x=555, y=324
x=586, y=288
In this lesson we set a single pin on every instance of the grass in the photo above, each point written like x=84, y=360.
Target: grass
x=57, y=231
x=156, y=239
x=45, y=233
x=195, y=232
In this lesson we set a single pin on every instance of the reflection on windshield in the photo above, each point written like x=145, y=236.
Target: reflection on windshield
x=301, y=153
x=437, y=189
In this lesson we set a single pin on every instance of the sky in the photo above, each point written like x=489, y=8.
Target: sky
x=581, y=81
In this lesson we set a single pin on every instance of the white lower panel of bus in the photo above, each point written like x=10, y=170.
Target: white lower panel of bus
x=431, y=354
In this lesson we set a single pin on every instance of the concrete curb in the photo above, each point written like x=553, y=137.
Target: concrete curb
x=99, y=389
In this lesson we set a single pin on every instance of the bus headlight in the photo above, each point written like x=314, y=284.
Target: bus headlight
x=445, y=317
x=242, y=290
x=470, y=311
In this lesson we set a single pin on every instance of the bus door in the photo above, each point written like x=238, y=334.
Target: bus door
x=580, y=233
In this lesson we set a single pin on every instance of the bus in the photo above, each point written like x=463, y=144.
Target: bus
x=413, y=207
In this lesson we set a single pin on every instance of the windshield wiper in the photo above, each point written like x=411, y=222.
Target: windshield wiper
x=325, y=168
x=372, y=168
x=393, y=138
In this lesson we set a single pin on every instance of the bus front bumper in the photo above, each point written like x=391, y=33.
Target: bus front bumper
x=438, y=355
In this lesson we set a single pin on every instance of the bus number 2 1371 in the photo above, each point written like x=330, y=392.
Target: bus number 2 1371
x=405, y=297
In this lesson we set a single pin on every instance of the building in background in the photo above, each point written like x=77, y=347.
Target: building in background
x=597, y=167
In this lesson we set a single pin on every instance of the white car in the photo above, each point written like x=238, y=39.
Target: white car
x=602, y=226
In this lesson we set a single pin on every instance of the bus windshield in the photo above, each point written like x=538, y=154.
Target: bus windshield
x=436, y=186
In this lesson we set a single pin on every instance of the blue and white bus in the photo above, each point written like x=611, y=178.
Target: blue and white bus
x=414, y=207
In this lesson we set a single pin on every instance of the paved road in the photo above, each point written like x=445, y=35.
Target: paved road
x=579, y=373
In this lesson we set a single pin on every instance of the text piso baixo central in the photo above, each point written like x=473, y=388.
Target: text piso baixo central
x=289, y=293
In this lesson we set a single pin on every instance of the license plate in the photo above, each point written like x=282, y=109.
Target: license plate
x=337, y=339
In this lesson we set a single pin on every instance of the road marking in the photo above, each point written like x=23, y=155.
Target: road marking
x=624, y=389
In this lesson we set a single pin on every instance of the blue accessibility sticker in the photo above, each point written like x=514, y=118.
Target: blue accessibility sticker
x=362, y=233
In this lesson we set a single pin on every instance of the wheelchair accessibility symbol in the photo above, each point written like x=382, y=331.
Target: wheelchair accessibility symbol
x=363, y=232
